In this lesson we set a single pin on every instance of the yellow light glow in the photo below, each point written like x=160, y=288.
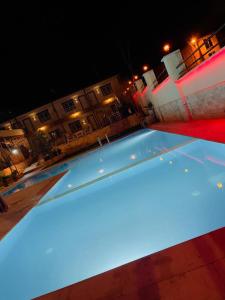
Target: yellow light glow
x=219, y=185
x=97, y=90
x=109, y=100
x=145, y=68
x=128, y=89
x=193, y=41
x=33, y=117
x=84, y=122
x=75, y=99
x=136, y=77
x=75, y=115
x=166, y=47
x=43, y=128
x=130, y=82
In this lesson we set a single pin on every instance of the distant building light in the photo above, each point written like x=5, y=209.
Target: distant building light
x=145, y=68
x=97, y=90
x=43, y=128
x=193, y=41
x=166, y=47
x=109, y=100
x=15, y=151
x=75, y=115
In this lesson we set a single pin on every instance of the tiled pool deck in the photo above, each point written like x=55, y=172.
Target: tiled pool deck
x=21, y=202
x=191, y=270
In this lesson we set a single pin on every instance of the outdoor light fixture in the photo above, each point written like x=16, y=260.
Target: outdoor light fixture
x=15, y=151
x=166, y=47
x=193, y=41
x=75, y=115
x=43, y=128
x=145, y=68
x=109, y=100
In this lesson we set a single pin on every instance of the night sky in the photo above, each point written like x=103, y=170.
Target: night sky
x=49, y=49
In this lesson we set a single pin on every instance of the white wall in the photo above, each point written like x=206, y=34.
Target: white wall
x=182, y=99
x=208, y=73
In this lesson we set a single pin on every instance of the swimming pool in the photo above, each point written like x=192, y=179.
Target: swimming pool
x=97, y=163
x=139, y=208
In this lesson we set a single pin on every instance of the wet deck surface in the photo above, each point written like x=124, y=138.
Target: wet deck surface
x=212, y=130
x=21, y=202
x=191, y=270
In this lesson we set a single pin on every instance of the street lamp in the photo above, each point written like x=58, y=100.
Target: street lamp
x=166, y=48
x=145, y=68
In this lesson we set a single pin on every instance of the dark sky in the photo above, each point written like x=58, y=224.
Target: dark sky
x=49, y=49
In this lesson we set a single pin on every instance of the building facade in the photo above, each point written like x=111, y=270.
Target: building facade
x=74, y=115
x=14, y=148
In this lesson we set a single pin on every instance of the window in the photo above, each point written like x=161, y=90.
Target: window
x=55, y=134
x=106, y=89
x=208, y=43
x=68, y=105
x=75, y=126
x=44, y=116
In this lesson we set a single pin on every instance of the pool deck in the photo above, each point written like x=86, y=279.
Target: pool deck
x=21, y=202
x=212, y=130
x=191, y=270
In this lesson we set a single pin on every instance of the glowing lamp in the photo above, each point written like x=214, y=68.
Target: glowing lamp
x=193, y=41
x=15, y=151
x=136, y=77
x=166, y=48
x=145, y=68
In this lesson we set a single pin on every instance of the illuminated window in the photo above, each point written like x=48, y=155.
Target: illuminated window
x=75, y=126
x=106, y=89
x=68, y=105
x=44, y=116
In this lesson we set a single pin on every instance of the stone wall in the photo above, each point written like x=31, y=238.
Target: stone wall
x=208, y=103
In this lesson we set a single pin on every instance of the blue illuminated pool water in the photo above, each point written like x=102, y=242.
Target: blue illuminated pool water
x=166, y=198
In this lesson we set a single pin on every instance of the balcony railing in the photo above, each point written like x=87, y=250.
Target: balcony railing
x=219, y=34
